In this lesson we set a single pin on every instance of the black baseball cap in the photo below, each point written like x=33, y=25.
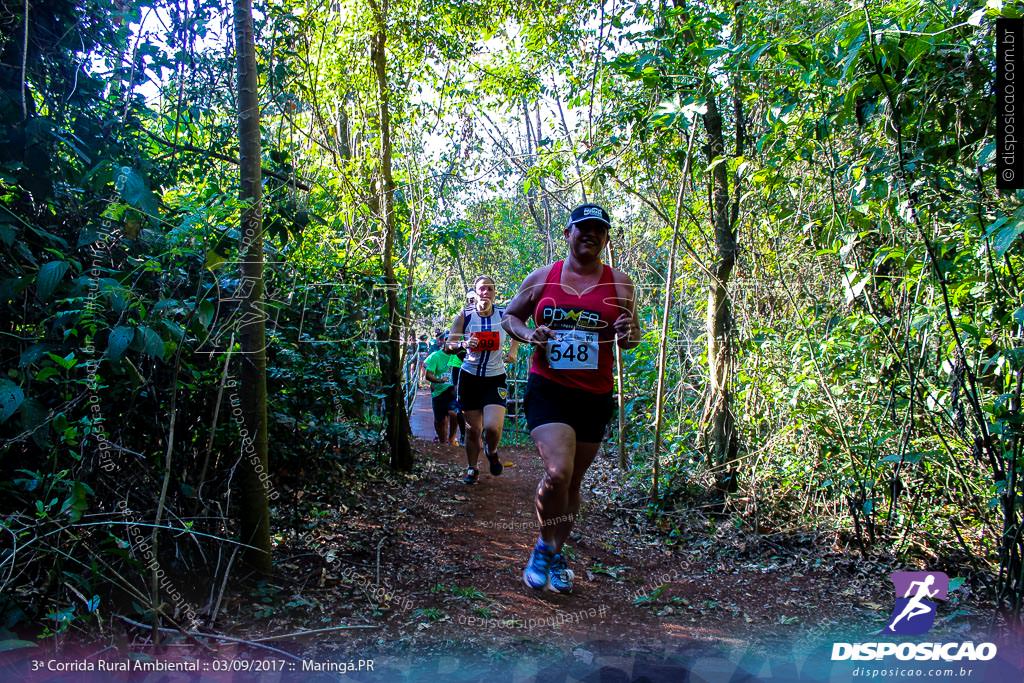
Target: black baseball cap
x=589, y=212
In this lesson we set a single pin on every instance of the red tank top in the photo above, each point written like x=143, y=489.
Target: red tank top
x=584, y=325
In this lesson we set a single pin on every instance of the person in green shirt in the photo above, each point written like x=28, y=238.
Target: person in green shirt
x=442, y=396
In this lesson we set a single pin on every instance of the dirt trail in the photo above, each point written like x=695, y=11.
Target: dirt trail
x=455, y=555
x=423, y=574
x=480, y=537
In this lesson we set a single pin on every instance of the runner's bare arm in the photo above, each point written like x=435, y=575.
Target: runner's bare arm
x=432, y=378
x=454, y=334
x=627, y=328
x=513, y=350
x=521, y=308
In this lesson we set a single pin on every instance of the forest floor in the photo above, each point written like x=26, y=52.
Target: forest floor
x=423, y=564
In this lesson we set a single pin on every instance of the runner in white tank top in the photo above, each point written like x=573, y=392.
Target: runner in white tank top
x=485, y=359
x=481, y=390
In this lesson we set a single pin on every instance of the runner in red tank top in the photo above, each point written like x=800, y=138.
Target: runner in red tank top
x=580, y=307
x=584, y=321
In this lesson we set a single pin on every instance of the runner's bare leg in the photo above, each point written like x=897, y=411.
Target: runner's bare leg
x=452, y=424
x=440, y=427
x=474, y=435
x=556, y=443
x=462, y=424
x=585, y=453
x=493, y=424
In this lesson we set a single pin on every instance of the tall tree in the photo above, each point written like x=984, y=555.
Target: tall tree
x=397, y=427
x=718, y=421
x=253, y=508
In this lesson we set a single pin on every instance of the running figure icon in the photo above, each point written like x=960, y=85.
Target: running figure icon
x=915, y=609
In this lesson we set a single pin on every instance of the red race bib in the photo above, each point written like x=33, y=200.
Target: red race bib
x=489, y=340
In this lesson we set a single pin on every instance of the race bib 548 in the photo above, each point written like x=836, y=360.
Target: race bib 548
x=572, y=350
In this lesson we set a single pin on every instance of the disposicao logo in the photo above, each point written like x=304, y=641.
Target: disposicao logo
x=914, y=614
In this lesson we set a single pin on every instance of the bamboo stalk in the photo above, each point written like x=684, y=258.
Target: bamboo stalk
x=621, y=399
x=659, y=396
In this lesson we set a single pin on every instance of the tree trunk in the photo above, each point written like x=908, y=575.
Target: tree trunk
x=453, y=252
x=253, y=508
x=533, y=193
x=718, y=422
x=408, y=329
x=344, y=133
x=397, y=420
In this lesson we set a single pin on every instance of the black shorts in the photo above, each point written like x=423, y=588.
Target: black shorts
x=443, y=402
x=546, y=402
x=477, y=392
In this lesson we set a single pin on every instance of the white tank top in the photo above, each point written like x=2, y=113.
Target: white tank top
x=487, y=360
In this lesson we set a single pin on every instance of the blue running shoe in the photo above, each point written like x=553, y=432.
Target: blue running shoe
x=559, y=575
x=535, y=575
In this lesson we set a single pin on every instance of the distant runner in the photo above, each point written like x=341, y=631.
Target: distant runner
x=456, y=366
x=437, y=341
x=422, y=351
x=482, y=390
x=442, y=393
x=580, y=307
